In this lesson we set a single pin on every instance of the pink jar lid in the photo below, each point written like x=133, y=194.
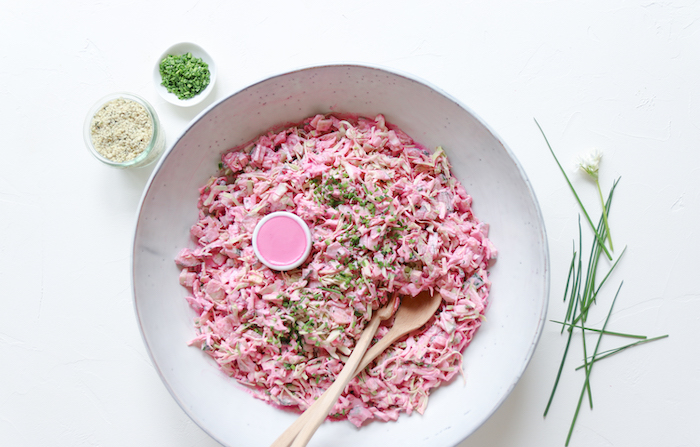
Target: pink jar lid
x=282, y=241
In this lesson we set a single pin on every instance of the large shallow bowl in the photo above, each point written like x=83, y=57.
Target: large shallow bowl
x=503, y=197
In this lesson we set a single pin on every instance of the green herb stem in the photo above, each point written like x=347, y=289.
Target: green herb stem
x=590, y=291
x=595, y=294
x=576, y=290
x=589, y=368
x=586, y=365
x=611, y=352
x=561, y=369
x=600, y=239
x=617, y=334
x=582, y=289
x=605, y=214
x=575, y=295
x=571, y=272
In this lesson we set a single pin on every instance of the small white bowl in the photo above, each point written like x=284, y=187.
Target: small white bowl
x=178, y=50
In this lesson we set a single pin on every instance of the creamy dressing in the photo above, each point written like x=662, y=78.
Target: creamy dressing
x=386, y=218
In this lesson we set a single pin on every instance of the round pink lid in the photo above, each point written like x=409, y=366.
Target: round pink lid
x=282, y=241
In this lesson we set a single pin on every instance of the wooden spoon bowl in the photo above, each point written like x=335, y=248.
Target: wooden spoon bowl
x=413, y=313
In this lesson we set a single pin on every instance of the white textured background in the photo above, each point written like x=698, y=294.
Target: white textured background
x=622, y=76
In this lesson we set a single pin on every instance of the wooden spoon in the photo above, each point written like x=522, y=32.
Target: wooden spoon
x=413, y=313
x=318, y=414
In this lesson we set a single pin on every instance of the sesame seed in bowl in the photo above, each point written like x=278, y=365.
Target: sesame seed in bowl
x=122, y=130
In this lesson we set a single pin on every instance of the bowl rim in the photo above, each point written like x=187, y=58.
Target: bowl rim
x=197, y=51
x=530, y=191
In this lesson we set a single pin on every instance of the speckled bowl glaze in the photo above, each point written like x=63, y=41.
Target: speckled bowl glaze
x=503, y=197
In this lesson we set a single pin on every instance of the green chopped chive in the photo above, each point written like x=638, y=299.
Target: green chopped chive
x=332, y=290
x=185, y=76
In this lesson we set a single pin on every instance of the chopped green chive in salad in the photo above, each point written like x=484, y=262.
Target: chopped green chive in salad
x=185, y=76
x=387, y=218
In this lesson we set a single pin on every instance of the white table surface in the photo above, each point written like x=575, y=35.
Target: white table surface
x=622, y=76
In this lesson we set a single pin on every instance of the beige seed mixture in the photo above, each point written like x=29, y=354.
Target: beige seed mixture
x=121, y=130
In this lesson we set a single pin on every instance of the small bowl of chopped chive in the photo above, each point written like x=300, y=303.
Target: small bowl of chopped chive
x=184, y=74
x=122, y=130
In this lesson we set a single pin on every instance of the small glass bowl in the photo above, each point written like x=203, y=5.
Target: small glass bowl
x=152, y=151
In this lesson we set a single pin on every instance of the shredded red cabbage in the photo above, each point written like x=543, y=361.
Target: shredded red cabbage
x=386, y=217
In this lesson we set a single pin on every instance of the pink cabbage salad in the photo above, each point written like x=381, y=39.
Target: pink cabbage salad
x=386, y=217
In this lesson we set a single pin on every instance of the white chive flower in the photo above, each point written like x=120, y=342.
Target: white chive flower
x=590, y=163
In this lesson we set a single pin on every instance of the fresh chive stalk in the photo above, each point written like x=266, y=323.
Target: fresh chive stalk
x=611, y=352
x=600, y=239
x=618, y=334
x=586, y=382
x=583, y=290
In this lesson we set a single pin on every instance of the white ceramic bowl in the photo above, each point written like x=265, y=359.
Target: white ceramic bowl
x=178, y=50
x=503, y=197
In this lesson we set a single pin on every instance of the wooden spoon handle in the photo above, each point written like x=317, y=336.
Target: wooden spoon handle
x=320, y=413
x=286, y=438
x=380, y=346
